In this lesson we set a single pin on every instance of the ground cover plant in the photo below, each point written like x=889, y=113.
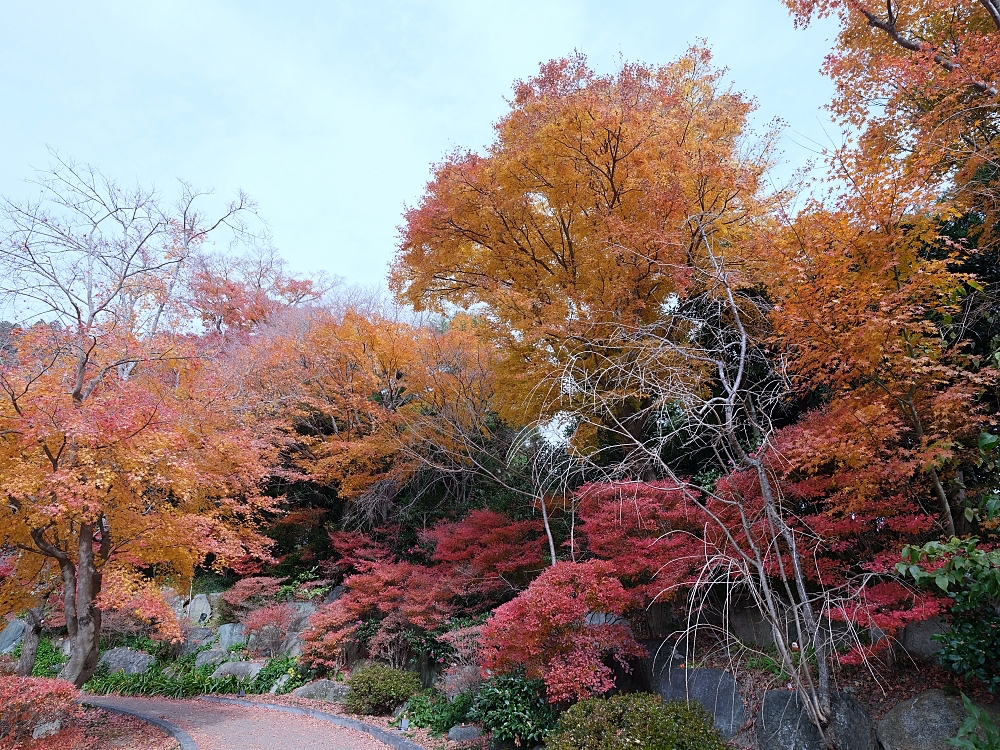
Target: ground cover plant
x=181, y=679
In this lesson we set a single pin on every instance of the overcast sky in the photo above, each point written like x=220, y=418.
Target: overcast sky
x=330, y=113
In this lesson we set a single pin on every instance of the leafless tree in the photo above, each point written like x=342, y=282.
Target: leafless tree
x=701, y=378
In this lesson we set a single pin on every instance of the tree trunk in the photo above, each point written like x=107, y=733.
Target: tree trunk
x=548, y=529
x=83, y=619
x=946, y=517
x=29, y=641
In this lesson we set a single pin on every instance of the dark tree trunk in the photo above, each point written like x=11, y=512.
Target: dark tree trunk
x=83, y=619
x=29, y=641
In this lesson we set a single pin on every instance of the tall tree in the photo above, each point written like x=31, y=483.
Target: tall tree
x=120, y=446
x=582, y=215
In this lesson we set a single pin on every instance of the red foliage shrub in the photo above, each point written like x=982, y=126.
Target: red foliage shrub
x=651, y=534
x=324, y=641
x=357, y=551
x=26, y=702
x=279, y=616
x=411, y=594
x=858, y=491
x=134, y=606
x=546, y=632
x=487, y=553
x=249, y=592
x=270, y=624
x=462, y=673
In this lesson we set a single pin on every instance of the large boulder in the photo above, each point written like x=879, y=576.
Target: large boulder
x=221, y=610
x=127, y=660
x=212, y=656
x=335, y=593
x=231, y=635
x=783, y=724
x=323, y=690
x=916, y=637
x=200, y=609
x=194, y=638
x=244, y=670
x=291, y=645
x=924, y=722
x=49, y=728
x=715, y=689
x=266, y=641
x=11, y=636
x=661, y=653
x=174, y=600
x=748, y=624
x=303, y=611
x=463, y=733
x=279, y=683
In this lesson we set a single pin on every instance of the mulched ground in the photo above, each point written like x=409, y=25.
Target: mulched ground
x=98, y=729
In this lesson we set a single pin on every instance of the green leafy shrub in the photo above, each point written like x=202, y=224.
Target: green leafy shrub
x=275, y=668
x=48, y=659
x=377, y=689
x=432, y=709
x=970, y=575
x=635, y=720
x=513, y=707
x=978, y=731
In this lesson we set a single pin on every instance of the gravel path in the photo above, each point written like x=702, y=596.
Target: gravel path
x=215, y=726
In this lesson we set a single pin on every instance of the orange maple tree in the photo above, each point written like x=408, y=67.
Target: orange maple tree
x=371, y=404
x=582, y=216
x=917, y=79
x=123, y=450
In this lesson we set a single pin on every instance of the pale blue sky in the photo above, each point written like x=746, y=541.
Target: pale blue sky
x=330, y=113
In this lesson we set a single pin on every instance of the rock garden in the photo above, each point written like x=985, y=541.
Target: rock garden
x=642, y=444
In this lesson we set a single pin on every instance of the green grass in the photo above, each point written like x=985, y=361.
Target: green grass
x=181, y=679
x=48, y=660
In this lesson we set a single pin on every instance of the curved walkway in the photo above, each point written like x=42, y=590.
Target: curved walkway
x=227, y=724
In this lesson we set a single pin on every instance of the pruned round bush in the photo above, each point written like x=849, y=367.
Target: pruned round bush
x=635, y=720
x=377, y=689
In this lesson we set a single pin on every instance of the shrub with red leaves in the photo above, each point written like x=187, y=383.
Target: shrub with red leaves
x=560, y=630
x=270, y=624
x=652, y=534
x=411, y=594
x=488, y=553
x=484, y=558
x=26, y=702
x=249, y=592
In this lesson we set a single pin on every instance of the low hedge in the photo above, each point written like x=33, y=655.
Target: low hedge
x=635, y=720
x=377, y=689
